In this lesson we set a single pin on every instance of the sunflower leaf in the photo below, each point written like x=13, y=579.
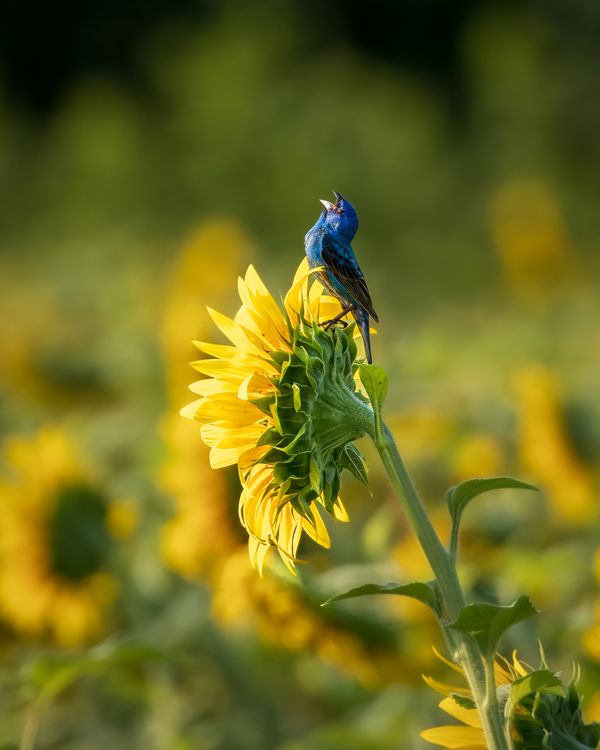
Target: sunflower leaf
x=423, y=592
x=541, y=681
x=459, y=496
x=486, y=622
x=463, y=701
x=353, y=461
x=375, y=381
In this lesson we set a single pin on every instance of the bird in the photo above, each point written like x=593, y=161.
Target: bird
x=328, y=247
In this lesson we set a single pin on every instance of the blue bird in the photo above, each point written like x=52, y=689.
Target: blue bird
x=327, y=244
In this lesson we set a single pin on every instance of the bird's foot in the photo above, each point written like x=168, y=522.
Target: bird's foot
x=327, y=324
x=338, y=319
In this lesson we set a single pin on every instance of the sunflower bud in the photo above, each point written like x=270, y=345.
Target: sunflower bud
x=540, y=712
x=551, y=719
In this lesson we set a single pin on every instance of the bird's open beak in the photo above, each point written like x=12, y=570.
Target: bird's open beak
x=338, y=197
x=329, y=206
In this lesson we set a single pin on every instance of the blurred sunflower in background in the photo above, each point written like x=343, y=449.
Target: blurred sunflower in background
x=55, y=537
x=531, y=237
x=547, y=451
x=200, y=532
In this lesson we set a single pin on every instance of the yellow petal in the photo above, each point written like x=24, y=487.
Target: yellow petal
x=325, y=308
x=258, y=551
x=261, y=305
x=222, y=435
x=456, y=738
x=518, y=666
x=251, y=514
x=301, y=272
x=317, y=532
x=221, y=368
x=289, y=531
x=190, y=410
x=447, y=662
x=468, y=716
x=230, y=328
x=222, y=351
x=265, y=333
x=229, y=408
x=339, y=512
x=255, y=385
x=444, y=689
x=254, y=284
x=297, y=298
x=219, y=458
x=257, y=342
x=502, y=675
x=260, y=475
x=211, y=387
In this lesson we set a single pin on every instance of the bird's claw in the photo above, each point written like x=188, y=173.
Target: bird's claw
x=327, y=324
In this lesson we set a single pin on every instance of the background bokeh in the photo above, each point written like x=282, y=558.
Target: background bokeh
x=148, y=153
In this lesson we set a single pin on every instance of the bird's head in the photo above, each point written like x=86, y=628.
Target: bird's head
x=340, y=217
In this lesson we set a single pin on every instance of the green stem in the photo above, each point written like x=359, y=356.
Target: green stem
x=31, y=729
x=434, y=550
x=443, y=565
x=491, y=696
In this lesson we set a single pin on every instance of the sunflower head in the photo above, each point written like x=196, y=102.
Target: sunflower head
x=552, y=719
x=540, y=712
x=282, y=402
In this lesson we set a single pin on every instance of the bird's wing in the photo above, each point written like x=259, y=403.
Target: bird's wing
x=347, y=272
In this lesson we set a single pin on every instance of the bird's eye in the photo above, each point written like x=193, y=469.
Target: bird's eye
x=339, y=211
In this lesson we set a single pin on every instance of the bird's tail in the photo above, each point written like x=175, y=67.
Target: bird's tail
x=362, y=319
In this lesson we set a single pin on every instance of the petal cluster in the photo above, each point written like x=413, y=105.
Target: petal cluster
x=256, y=405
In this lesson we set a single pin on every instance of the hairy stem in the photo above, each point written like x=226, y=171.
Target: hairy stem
x=442, y=563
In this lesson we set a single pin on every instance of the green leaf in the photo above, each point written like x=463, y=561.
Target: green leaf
x=296, y=396
x=423, y=592
x=486, y=622
x=314, y=475
x=375, y=381
x=460, y=496
x=353, y=461
x=463, y=701
x=592, y=733
x=541, y=681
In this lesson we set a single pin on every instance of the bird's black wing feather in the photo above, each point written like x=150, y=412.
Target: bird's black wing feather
x=349, y=274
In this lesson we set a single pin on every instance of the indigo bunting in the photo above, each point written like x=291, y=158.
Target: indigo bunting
x=327, y=244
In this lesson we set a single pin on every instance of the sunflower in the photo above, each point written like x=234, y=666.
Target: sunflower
x=545, y=713
x=282, y=403
x=548, y=451
x=470, y=735
x=54, y=537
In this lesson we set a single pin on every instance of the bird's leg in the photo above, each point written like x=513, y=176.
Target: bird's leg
x=338, y=319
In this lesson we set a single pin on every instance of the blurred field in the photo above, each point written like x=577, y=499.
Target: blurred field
x=150, y=161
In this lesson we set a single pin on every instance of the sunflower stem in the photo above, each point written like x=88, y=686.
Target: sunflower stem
x=31, y=728
x=491, y=705
x=443, y=565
